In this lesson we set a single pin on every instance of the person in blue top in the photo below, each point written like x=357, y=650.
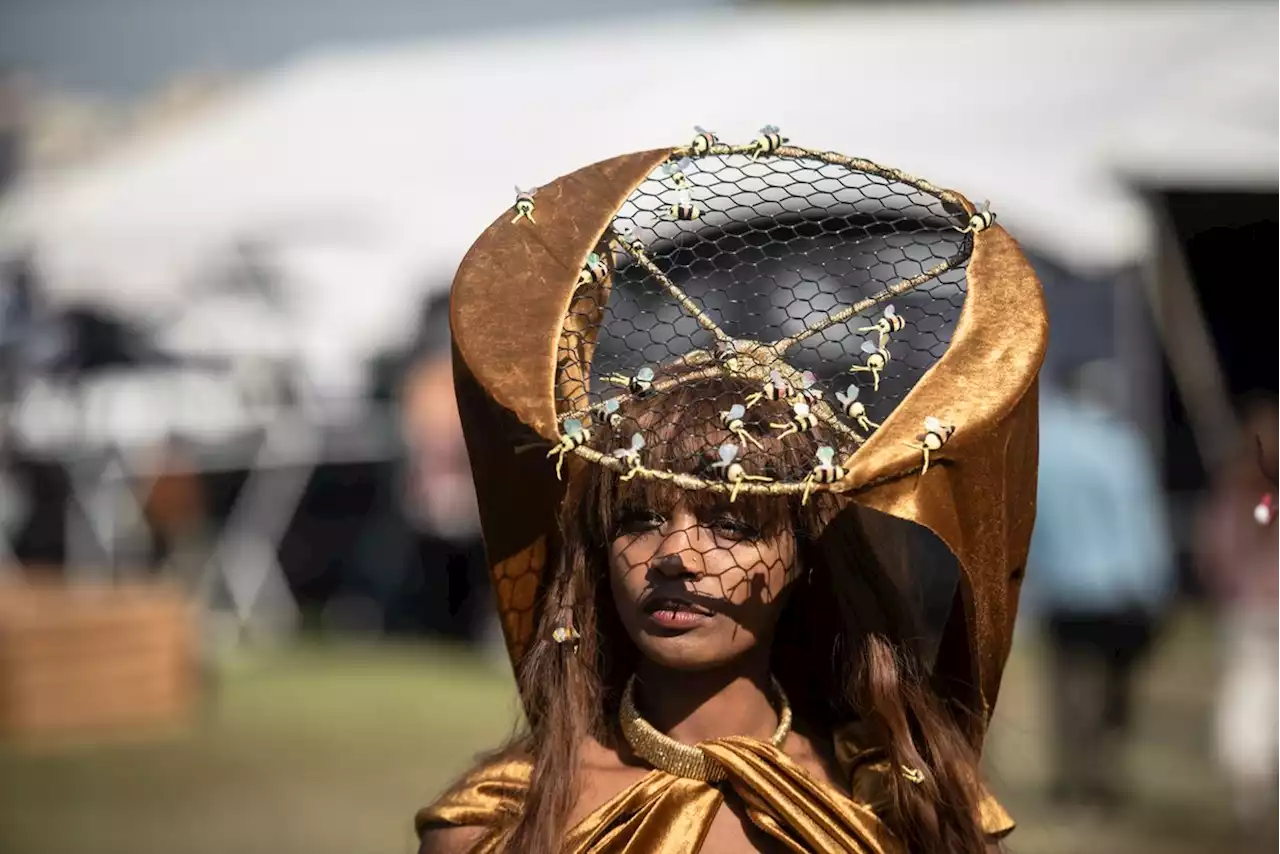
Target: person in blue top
x=1100, y=576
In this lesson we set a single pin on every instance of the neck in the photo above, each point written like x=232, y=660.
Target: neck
x=696, y=706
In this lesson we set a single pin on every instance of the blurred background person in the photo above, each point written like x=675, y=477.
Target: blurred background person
x=1237, y=557
x=422, y=554
x=1100, y=574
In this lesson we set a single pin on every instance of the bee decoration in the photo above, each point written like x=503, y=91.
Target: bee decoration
x=684, y=208
x=574, y=434
x=630, y=456
x=889, y=322
x=980, y=220
x=877, y=358
x=854, y=409
x=776, y=388
x=733, y=471
x=628, y=238
x=802, y=420
x=808, y=387
x=769, y=141
x=595, y=271
x=1264, y=514
x=638, y=385
x=677, y=171
x=911, y=774
x=611, y=414
x=826, y=471
x=733, y=422
x=935, y=435
x=524, y=206
x=566, y=634
x=702, y=141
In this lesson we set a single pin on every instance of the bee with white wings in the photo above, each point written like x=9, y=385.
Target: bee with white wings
x=802, y=420
x=775, y=388
x=889, y=322
x=732, y=420
x=609, y=409
x=573, y=434
x=769, y=141
x=703, y=141
x=627, y=238
x=733, y=472
x=935, y=435
x=855, y=409
x=874, y=363
x=630, y=456
x=826, y=471
x=638, y=384
x=678, y=171
x=524, y=205
x=684, y=209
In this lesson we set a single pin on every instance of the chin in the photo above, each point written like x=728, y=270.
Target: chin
x=688, y=652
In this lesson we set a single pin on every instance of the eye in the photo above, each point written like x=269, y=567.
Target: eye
x=734, y=528
x=639, y=520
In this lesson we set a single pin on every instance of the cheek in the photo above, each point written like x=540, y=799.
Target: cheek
x=752, y=570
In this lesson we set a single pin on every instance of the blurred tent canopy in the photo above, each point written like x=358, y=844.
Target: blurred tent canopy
x=369, y=173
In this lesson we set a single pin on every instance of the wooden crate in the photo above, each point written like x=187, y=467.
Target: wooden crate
x=91, y=659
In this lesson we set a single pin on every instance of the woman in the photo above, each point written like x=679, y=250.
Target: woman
x=710, y=653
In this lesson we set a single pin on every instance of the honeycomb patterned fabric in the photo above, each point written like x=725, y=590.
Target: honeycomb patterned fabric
x=759, y=291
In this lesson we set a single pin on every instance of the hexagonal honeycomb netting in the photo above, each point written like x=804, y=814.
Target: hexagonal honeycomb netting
x=755, y=313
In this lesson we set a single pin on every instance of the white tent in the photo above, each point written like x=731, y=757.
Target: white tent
x=375, y=170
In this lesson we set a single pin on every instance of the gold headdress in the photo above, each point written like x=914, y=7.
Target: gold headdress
x=851, y=291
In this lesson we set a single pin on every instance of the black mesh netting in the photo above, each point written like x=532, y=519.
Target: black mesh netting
x=752, y=321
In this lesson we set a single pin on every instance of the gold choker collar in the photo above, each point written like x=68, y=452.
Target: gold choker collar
x=683, y=760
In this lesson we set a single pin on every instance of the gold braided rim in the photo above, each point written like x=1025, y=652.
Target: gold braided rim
x=684, y=760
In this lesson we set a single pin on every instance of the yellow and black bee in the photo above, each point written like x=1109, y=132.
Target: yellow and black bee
x=678, y=171
x=638, y=385
x=853, y=408
x=935, y=435
x=732, y=471
x=826, y=471
x=702, y=141
x=732, y=419
x=573, y=435
x=611, y=414
x=595, y=271
x=630, y=456
x=802, y=420
x=889, y=322
x=628, y=238
x=877, y=358
x=524, y=205
x=981, y=220
x=684, y=208
x=769, y=141
x=776, y=388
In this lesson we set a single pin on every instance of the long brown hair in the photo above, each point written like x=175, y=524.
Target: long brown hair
x=849, y=646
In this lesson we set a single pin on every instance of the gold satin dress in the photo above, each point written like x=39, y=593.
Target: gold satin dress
x=665, y=814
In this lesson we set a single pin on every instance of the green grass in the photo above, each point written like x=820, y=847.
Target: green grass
x=331, y=747
x=314, y=749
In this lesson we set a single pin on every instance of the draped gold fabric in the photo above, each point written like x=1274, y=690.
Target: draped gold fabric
x=664, y=814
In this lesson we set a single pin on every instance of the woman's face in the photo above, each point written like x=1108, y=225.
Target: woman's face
x=696, y=589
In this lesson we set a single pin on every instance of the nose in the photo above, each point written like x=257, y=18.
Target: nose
x=678, y=554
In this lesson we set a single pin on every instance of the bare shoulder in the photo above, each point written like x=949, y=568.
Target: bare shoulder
x=445, y=839
x=605, y=773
